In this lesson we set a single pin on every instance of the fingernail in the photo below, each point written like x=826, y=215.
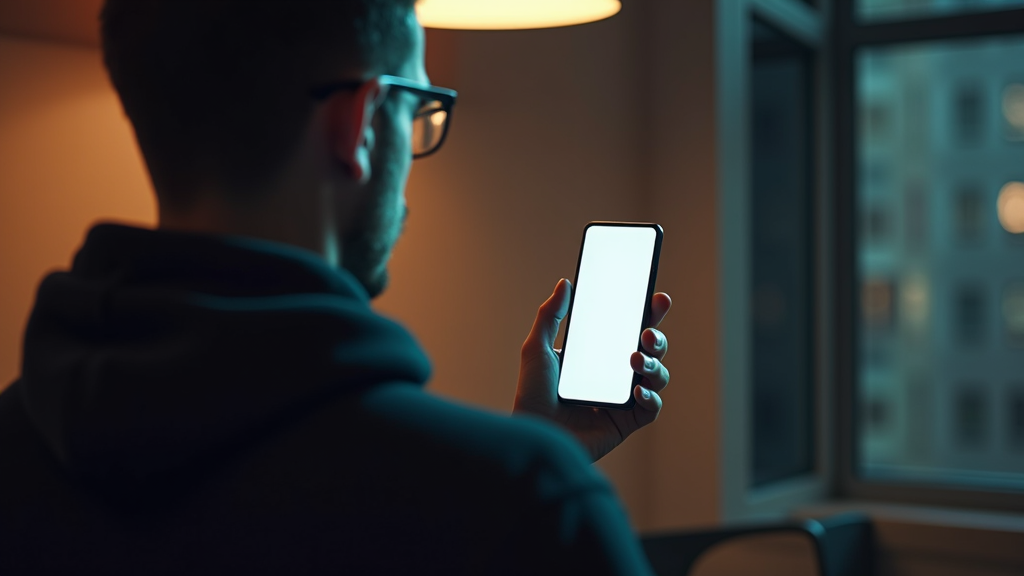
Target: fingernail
x=648, y=363
x=645, y=393
x=659, y=340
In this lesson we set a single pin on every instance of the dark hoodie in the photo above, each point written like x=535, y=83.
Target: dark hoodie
x=199, y=404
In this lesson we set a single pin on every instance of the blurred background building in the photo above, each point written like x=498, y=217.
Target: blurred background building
x=940, y=166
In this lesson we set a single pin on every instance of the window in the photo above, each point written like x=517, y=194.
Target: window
x=932, y=90
x=876, y=225
x=971, y=418
x=871, y=205
x=968, y=317
x=768, y=77
x=969, y=214
x=968, y=114
x=915, y=212
x=1015, y=418
x=781, y=274
x=1013, y=110
x=877, y=305
x=1013, y=314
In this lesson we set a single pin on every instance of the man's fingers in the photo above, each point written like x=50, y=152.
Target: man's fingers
x=648, y=406
x=655, y=343
x=655, y=373
x=549, y=316
x=660, y=305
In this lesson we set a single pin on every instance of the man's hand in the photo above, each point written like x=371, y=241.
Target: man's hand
x=598, y=429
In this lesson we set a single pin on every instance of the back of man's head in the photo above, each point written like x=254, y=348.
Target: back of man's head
x=218, y=90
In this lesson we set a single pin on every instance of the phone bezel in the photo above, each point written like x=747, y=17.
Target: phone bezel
x=652, y=279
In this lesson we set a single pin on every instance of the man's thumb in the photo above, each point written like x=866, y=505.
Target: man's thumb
x=549, y=316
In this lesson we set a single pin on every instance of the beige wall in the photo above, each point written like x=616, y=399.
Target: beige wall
x=611, y=120
x=67, y=159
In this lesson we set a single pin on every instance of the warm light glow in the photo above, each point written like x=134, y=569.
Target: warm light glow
x=1013, y=105
x=1011, y=207
x=915, y=302
x=512, y=14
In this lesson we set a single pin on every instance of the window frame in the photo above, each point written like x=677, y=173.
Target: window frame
x=848, y=35
x=806, y=24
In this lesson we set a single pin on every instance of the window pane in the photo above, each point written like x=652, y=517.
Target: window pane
x=940, y=194
x=898, y=9
x=781, y=278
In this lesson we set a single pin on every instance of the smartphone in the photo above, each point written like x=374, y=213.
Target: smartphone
x=609, y=308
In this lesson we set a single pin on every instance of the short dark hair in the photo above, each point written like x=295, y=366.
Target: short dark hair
x=219, y=88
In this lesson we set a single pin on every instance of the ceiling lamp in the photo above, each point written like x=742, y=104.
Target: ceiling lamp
x=512, y=14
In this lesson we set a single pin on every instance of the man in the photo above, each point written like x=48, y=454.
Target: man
x=217, y=396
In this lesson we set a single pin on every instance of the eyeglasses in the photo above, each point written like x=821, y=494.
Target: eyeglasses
x=430, y=122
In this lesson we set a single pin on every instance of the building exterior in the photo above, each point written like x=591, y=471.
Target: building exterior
x=941, y=260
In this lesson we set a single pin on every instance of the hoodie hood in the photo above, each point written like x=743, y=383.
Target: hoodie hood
x=159, y=347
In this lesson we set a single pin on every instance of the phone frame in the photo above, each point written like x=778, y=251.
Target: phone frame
x=651, y=280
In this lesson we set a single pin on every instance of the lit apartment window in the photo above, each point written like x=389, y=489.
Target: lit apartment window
x=878, y=301
x=1012, y=104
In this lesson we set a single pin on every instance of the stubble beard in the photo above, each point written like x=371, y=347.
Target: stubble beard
x=370, y=252
x=379, y=224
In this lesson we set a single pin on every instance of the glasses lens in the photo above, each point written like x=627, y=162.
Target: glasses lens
x=428, y=128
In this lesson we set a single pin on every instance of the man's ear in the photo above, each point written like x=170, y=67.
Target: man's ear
x=351, y=131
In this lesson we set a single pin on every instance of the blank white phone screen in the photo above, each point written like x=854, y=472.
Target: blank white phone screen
x=607, y=313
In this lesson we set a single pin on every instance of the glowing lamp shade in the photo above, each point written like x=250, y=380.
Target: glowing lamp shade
x=1011, y=207
x=512, y=14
